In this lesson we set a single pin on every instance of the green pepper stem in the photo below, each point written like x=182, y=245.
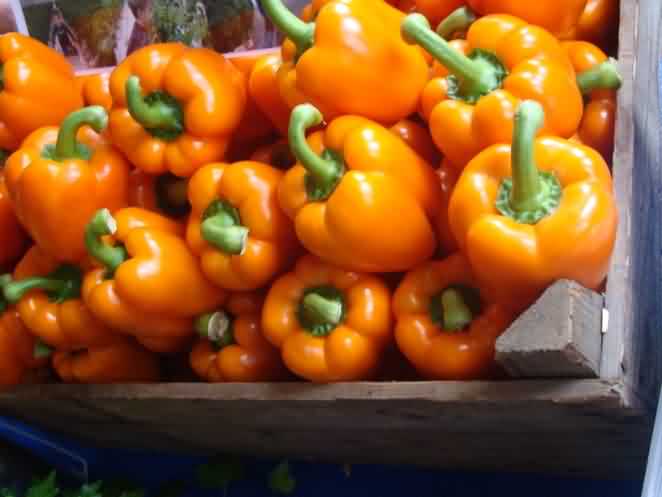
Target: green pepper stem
x=102, y=224
x=527, y=187
x=320, y=310
x=41, y=350
x=477, y=77
x=159, y=114
x=458, y=21
x=15, y=290
x=457, y=314
x=215, y=327
x=300, y=32
x=67, y=147
x=222, y=228
x=5, y=279
x=325, y=171
x=604, y=76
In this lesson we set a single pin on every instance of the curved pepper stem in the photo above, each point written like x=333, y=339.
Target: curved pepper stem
x=530, y=195
x=604, y=76
x=458, y=21
x=62, y=284
x=222, y=228
x=475, y=75
x=324, y=172
x=172, y=194
x=216, y=327
x=5, y=279
x=158, y=112
x=67, y=146
x=103, y=224
x=321, y=310
x=457, y=314
x=300, y=32
x=42, y=350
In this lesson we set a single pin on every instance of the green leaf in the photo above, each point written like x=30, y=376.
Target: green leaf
x=7, y=492
x=44, y=488
x=281, y=480
x=218, y=474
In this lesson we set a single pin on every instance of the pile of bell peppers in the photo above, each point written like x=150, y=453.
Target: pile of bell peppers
x=401, y=179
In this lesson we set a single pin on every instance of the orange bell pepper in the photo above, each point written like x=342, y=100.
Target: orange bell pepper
x=232, y=347
x=437, y=10
x=448, y=177
x=123, y=362
x=350, y=60
x=95, y=89
x=36, y=88
x=150, y=285
x=559, y=17
x=13, y=240
x=508, y=60
x=329, y=324
x=276, y=154
x=47, y=297
x=598, y=23
x=542, y=212
x=60, y=177
x=175, y=108
x=165, y=193
x=351, y=178
x=236, y=226
x=418, y=138
x=444, y=326
x=263, y=89
x=598, y=79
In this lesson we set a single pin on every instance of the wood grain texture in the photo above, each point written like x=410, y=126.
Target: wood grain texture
x=557, y=337
x=568, y=427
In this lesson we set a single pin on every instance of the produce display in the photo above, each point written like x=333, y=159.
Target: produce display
x=401, y=176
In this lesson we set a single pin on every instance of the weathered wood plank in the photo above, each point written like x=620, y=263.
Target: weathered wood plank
x=558, y=337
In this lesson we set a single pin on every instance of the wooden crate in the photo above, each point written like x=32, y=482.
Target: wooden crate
x=588, y=417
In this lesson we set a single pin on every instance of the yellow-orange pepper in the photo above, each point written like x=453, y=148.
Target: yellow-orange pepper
x=329, y=324
x=61, y=176
x=263, y=89
x=232, y=347
x=360, y=197
x=236, y=227
x=560, y=17
x=418, y=138
x=122, y=362
x=447, y=179
x=598, y=23
x=598, y=78
x=166, y=193
x=175, y=108
x=508, y=60
x=150, y=285
x=533, y=213
x=37, y=88
x=437, y=10
x=444, y=326
x=13, y=240
x=95, y=89
x=349, y=60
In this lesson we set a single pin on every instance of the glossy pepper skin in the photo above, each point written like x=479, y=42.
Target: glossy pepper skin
x=448, y=177
x=559, y=17
x=533, y=213
x=175, y=108
x=351, y=178
x=329, y=324
x=47, y=297
x=150, y=285
x=232, y=347
x=344, y=57
x=59, y=168
x=36, y=89
x=95, y=89
x=418, y=138
x=122, y=362
x=508, y=61
x=437, y=10
x=165, y=194
x=17, y=350
x=444, y=327
x=13, y=239
x=598, y=78
x=598, y=24
x=237, y=227
x=264, y=90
